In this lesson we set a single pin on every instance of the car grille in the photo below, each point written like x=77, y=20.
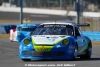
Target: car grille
x=48, y=53
x=42, y=53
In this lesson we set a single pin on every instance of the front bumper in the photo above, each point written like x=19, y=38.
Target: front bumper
x=69, y=54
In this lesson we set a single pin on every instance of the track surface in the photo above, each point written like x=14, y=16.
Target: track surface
x=9, y=57
x=32, y=16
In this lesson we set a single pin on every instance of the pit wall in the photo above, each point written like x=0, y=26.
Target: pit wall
x=49, y=11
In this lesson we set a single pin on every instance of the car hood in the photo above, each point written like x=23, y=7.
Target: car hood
x=47, y=39
x=25, y=33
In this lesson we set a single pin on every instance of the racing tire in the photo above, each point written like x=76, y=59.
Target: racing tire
x=88, y=52
x=75, y=52
x=26, y=59
x=11, y=41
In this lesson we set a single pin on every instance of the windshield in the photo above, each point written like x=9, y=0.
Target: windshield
x=52, y=29
x=26, y=28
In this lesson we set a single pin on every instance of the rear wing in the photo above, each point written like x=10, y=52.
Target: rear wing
x=83, y=25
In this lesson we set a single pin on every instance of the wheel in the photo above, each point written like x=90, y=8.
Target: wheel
x=26, y=59
x=75, y=52
x=11, y=41
x=88, y=52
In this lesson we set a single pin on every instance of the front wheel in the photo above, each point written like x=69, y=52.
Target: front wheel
x=88, y=52
x=75, y=51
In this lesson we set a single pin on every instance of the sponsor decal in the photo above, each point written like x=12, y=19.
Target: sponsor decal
x=62, y=36
x=83, y=49
x=58, y=46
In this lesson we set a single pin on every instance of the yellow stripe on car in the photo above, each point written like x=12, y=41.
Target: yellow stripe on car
x=43, y=48
x=83, y=49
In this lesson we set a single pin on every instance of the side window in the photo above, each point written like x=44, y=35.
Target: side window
x=70, y=31
x=77, y=33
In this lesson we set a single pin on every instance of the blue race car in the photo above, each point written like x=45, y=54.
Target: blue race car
x=60, y=40
x=24, y=30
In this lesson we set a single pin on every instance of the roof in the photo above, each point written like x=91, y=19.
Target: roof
x=26, y=24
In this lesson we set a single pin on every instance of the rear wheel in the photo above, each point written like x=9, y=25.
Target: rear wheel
x=88, y=52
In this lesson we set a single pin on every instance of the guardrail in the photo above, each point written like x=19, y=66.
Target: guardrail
x=5, y=29
x=94, y=36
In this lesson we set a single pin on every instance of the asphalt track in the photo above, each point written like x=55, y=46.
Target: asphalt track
x=9, y=58
x=15, y=16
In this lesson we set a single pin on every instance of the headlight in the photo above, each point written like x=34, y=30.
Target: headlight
x=65, y=42
x=26, y=41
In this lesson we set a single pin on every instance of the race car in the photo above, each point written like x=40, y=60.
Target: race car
x=24, y=30
x=21, y=31
x=11, y=29
x=60, y=40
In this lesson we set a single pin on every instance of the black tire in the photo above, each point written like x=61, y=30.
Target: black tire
x=75, y=51
x=26, y=59
x=88, y=52
x=11, y=41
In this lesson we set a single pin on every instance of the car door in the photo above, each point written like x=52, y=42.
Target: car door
x=80, y=39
